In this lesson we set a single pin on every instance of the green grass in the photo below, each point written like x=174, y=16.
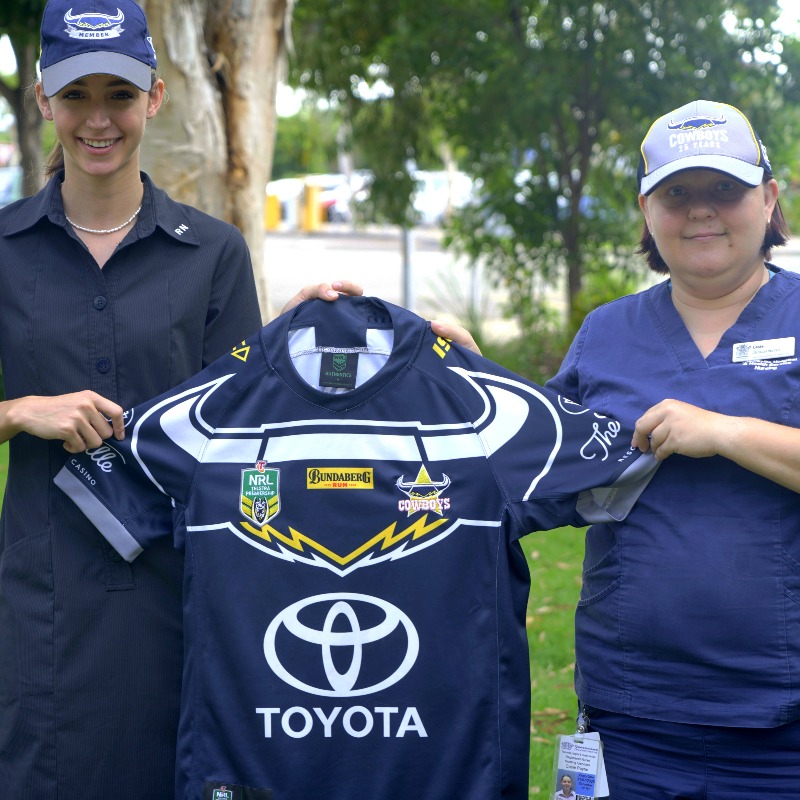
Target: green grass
x=555, y=559
x=555, y=562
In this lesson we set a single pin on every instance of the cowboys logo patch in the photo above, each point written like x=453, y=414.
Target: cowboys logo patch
x=423, y=493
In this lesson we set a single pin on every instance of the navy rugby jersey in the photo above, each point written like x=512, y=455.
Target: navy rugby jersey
x=350, y=491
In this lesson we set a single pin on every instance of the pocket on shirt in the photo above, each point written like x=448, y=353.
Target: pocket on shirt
x=602, y=578
x=791, y=577
x=26, y=619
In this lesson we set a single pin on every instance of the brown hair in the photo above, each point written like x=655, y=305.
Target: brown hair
x=776, y=234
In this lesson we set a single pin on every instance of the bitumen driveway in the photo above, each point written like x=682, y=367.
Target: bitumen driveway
x=440, y=285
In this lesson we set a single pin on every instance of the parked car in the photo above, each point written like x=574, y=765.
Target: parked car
x=337, y=193
x=439, y=193
x=334, y=197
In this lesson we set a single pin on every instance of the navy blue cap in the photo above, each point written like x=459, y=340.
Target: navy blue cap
x=95, y=37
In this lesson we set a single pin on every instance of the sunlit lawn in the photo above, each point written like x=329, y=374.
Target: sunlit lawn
x=555, y=560
x=555, y=563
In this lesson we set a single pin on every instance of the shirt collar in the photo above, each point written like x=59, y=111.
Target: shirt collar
x=46, y=203
x=158, y=210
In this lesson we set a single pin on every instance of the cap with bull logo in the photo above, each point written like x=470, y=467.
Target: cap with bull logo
x=91, y=37
x=702, y=135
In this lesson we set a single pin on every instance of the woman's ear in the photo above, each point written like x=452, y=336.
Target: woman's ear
x=155, y=98
x=43, y=102
x=771, y=192
x=645, y=210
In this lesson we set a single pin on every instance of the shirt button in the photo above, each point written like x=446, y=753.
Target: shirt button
x=103, y=365
x=100, y=302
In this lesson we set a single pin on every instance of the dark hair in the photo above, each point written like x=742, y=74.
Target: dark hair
x=54, y=160
x=777, y=234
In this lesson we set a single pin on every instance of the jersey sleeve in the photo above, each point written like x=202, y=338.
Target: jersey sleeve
x=132, y=489
x=557, y=462
x=117, y=493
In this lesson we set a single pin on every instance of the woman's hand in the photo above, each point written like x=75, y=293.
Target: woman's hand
x=323, y=291
x=456, y=333
x=765, y=448
x=80, y=419
x=672, y=426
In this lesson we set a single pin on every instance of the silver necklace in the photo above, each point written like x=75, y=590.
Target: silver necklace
x=104, y=230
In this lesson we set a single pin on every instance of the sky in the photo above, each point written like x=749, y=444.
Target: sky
x=789, y=20
x=7, y=63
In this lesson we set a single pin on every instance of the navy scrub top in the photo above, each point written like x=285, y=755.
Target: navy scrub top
x=90, y=646
x=690, y=607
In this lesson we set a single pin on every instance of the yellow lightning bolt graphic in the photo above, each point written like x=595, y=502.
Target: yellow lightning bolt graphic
x=386, y=538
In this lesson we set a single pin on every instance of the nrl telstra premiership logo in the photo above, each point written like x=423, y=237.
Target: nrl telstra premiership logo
x=260, y=495
x=91, y=25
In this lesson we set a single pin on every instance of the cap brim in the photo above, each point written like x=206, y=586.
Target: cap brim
x=58, y=75
x=748, y=174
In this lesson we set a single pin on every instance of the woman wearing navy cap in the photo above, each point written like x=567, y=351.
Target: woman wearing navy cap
x=688, y=625
x=110, y=293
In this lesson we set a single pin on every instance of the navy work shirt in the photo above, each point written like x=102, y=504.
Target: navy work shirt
x=90, y=646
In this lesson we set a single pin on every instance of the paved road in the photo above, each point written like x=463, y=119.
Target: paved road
x=442, y=285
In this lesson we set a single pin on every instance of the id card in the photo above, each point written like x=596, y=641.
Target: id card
x=578, y=769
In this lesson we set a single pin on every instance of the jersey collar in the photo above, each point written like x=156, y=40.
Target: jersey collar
x=349, y=312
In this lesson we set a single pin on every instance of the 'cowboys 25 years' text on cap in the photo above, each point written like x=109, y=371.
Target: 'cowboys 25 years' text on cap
x=702, y=135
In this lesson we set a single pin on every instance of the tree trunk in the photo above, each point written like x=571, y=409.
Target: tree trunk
x=27, y=115
x=211, y=143
x=572, y=247
x=185, y=149
x=248, y=42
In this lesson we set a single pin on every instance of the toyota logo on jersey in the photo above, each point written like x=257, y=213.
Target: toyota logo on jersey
x=309, y=641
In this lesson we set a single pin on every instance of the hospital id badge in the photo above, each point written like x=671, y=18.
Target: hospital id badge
x=578, y=769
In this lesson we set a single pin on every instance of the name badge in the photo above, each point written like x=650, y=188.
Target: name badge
x=765, y=349
x=579, y=771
